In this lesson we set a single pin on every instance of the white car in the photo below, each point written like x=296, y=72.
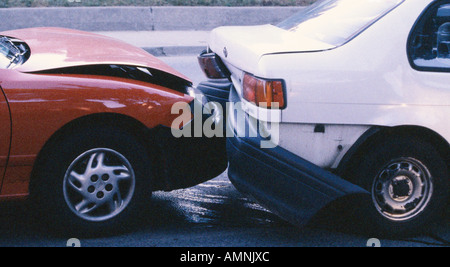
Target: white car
x=354, y=95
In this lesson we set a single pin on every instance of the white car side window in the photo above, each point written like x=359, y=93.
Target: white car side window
x=429, y=47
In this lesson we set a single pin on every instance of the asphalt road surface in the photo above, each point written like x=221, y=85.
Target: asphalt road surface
x=209, y=215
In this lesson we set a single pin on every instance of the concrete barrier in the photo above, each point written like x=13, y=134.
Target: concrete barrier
x=141, y=18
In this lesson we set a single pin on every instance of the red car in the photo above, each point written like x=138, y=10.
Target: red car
x=85, y=127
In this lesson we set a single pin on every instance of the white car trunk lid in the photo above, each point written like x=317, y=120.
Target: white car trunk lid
x=243, y=47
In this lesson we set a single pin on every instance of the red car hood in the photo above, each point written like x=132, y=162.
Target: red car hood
x=54, y=48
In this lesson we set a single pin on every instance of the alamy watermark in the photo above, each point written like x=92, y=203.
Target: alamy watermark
x=373, y=242
x=74, y=243
x=190, y=123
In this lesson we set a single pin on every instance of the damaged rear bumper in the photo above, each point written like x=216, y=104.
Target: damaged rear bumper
x=286, y=184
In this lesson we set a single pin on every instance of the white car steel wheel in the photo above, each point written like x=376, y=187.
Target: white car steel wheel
x=403, y=189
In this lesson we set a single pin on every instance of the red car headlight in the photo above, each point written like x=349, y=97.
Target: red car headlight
x=264, y=93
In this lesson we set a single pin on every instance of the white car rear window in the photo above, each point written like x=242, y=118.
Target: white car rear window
x=337, y=21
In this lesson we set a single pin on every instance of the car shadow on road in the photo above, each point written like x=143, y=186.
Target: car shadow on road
x=349, y=216
x=215, y=204
x=16, y=224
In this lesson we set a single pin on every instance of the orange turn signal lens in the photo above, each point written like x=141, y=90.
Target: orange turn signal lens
x=264, y=93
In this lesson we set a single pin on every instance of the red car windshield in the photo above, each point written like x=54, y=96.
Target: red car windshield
x=10, y=54
x=337, y=21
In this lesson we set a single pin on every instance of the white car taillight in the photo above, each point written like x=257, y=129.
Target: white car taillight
x=263, y=92
x=212, y=66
